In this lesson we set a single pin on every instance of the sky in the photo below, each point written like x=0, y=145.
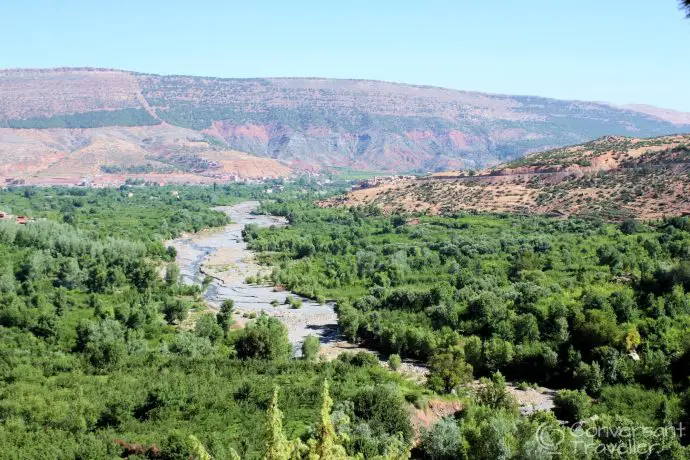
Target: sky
x=618, y=51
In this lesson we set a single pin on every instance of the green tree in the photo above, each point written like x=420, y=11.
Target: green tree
x=224, y=316
x=178, y=447
x=277, y=446
x=325, y=446
x=494, y=393
x=572, y=405
x=442, y=441
x=589, y=378
x=310, y=347
x=198, y=449
x=101, y=342
x=394, y=362
x=266, y=338
x=447, y=371
x=172, y=274
x=207, y=326
x=175, y=310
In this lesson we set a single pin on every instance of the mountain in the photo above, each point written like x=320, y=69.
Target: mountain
x=301, y=123
x=613, y=177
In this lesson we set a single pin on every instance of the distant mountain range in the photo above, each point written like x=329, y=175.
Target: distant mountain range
x=614, y=178
x=63, y=123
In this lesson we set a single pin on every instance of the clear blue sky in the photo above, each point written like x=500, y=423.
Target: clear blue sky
x=619, y=51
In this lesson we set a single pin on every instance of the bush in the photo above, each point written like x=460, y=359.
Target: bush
x=572, y=405
x=224, y=316
x=293, y=302
x=177, y=447
x=359, y=359
x=103, y=342
x=310, y=347
x=442, y=441
x=494, y=393
x=384, y=409
x=175, y=310
x=266, y=338
x=394, y=362
x=207, y=327
x=447, y=371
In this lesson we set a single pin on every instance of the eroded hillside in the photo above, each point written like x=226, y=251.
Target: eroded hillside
x=307, y=123
x=612, y=177
x=110, y=155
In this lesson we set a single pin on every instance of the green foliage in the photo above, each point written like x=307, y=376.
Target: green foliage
x=311, y=347
x=326, y=444
x=265, y=338
x=172, y=274
x=572, y=406
x=86, y=357
x=277, y=445
x=206, y=326
x=442, y=441
x=101, y=342
x=95, y=119
x=224, y=316
x=447, y=371
x=84, y=306
x=394, y=362
x=383, y=408
x=530, y=297
x=175, y=310
x=494, y=393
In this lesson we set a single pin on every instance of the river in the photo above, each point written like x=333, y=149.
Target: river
x=223, y=255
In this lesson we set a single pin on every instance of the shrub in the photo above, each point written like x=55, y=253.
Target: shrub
x=447, y=371
x=442, y=441
x=310, y=347
x=384, y=409
x=394, y=362
x=224, y=316
x=207, y=326
x=266, y=338
x=572, y=405
x=175, y=310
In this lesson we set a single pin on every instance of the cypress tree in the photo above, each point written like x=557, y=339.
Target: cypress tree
x=277, y=447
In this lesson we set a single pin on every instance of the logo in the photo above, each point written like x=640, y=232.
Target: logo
x=618, y=441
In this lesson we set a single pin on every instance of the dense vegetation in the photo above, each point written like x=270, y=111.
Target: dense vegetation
x=104, y=354
x=573, y=304
x=101, y=357
x=96, y=119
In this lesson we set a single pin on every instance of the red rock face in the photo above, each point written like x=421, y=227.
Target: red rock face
x=460, y=140
x=229, y=131
x=315, y=123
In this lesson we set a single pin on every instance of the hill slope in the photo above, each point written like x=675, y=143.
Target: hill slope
x=315, y=123
x=110, y=155
x=613, y=177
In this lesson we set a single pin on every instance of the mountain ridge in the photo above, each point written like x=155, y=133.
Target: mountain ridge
x=318, y=123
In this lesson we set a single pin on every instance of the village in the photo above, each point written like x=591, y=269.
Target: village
x=21, y=220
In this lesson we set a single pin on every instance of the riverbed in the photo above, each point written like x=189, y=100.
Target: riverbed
x=223, y=255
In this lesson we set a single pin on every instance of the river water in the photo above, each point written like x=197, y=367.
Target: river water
x=223, y=255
